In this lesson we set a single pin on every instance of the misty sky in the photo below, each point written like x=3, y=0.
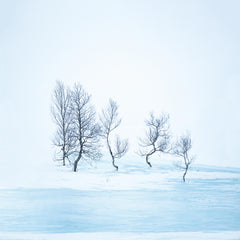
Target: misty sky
x=181, y=57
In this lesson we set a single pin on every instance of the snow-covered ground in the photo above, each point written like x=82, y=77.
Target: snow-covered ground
x=51, y=202
x=226, y=235
x=133, y=174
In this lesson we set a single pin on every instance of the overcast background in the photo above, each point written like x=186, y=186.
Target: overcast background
x=181, y=57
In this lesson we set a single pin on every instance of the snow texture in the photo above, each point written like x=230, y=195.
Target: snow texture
x=51, y=202
x=227, y=235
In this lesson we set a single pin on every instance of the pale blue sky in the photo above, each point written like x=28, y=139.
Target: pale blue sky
x=182, y=57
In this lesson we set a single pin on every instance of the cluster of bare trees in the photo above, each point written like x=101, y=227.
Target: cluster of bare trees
x=78, y=133
x=158, y=140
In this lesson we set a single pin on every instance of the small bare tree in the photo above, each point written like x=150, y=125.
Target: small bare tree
x=86, y=130
x=157, y=136
x=61, y=112
x=181, y=149
x=109, y=121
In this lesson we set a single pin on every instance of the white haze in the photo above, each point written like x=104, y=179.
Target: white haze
x=180, y=57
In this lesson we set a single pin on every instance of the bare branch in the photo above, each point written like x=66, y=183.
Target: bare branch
x=110, y=120
x=61, y=113
x=181, y=149
x=85, y=129
x=121, y=147
x=156, y=138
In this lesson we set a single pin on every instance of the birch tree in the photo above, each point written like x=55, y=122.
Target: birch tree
x=181, y=149
x=109, y=122
x=61, y=113
x=157, y=137
x=86, y=130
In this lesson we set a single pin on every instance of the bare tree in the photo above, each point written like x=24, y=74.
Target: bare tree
x=181, y=149
x=86, y=130
x=110, y=121
x=157, y=136
x=61, y=112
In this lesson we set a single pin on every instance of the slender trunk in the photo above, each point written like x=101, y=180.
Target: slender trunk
x=184, y=175
x=111, y=153
x=75, y=165
x=113, y=158
x=80, y=130
x=186, y=161
x=113, y=163
x=64, y=140
x=147, y=156
x=64, y=155
x=76, y=161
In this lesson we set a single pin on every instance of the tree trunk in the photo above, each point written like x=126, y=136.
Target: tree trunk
x=184, y=175
x=63, y=156
x=75, y=165
x=148, y=161
x=113, y=163
x=76, y=162
x=111, y=153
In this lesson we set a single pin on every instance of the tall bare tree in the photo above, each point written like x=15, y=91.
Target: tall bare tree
x=157, y=137
x=110, y=121
x=61, y=112
x=86, y=130
x=181, y=149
